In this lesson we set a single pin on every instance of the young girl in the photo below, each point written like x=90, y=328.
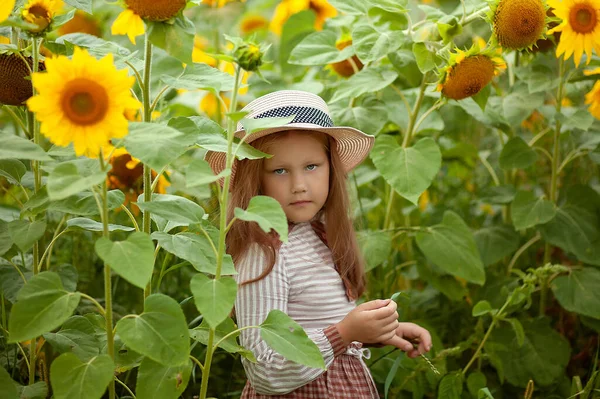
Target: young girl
x=318, y=274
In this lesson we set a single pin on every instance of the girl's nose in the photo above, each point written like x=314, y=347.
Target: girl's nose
x=298, y=183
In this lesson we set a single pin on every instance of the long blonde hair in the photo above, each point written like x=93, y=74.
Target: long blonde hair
x=341, y=238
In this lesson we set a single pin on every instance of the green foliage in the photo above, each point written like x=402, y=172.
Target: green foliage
x=159, y=333
x=287, y=338
x=132, y=259
x=42, y=305
x=72, y=378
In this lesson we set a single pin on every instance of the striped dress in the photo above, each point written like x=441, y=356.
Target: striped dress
x=304, y=284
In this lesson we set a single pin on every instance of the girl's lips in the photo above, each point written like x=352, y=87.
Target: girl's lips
x=300, y=203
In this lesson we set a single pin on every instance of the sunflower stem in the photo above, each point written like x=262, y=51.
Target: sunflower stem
x=147, y=118
x=414, y=113
x=108, y=316
x=37, y=185
x=222, y=227
x=554, y=178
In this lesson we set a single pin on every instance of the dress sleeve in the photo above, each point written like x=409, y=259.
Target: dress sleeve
x=273, y=373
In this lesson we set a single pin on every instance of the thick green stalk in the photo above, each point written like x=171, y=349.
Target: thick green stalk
x=110, y=339
x=146, y=221
x=222, y=228
x=37, y=184
x=554, y=177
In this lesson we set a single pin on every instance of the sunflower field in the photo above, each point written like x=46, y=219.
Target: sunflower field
x=479, y=203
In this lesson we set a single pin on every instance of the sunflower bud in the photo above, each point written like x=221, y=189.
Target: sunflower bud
x=248, y=56
x=40, y=13
x=14, y=75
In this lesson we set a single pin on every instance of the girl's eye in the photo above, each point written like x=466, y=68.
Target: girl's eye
x=311, y=167
x=279, y=171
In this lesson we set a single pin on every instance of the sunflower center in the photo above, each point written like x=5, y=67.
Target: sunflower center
x=583, y=18
x=85, y=102
x=39, y=12
x=468, y=77
x=156, y=10
x=519, y=23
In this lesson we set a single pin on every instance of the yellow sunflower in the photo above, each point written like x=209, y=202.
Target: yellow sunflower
x=41, y=13
x=82, y=101
x=4, y=40
x=253, y=22
x=219, y=3
x=287, y=8
x=469, y=72
x=198, y=53
x=126, y=175
x=6, y=7
x=518, y=24
x=580, y=28
x=81, y=22
x=130, y=21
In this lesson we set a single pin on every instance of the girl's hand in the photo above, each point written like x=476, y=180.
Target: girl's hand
x=370, y=322
x=406, y=332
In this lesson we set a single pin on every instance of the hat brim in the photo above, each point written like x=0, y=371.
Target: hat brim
x=352, y=145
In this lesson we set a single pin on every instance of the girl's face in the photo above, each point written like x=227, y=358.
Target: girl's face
x=297, y=175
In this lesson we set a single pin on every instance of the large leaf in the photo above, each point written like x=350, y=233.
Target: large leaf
x=368, y=117
x=72, y=177
x=451, y=386
x=231, y=345
x=13, y=170
x=496, y=242
x=157, y=381
x=82, y=204
x=375, y=247
x=529, y=210
x=25, y=233
x=575, y=229
x=451, y=246
x=543, y=356
x=517, y=154
x=42, y=305
x=14, y=147
x=214, y=298
x=9, y=388
x=267, y=212
x=288, y=339
x=92, y=225
x=76, y=335
x=71, y=378
x=85, y=5
x=368, y=80
x=11, y=280
x=37, y=390
x=159, y=333
x=199, y=173
x=176, y=37
x=6, y=242
x=196, y=249
x=579, y=292
x=408, y=170
x=375, y=42
x=201, y=77
x=173, y=208
x=132, y=259
x=319, y=48
x=157, y=145
x=295, y=29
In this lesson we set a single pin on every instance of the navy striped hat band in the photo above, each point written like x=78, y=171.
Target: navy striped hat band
x=302, y=115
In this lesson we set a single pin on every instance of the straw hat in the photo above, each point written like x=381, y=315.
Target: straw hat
x=310, y=113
